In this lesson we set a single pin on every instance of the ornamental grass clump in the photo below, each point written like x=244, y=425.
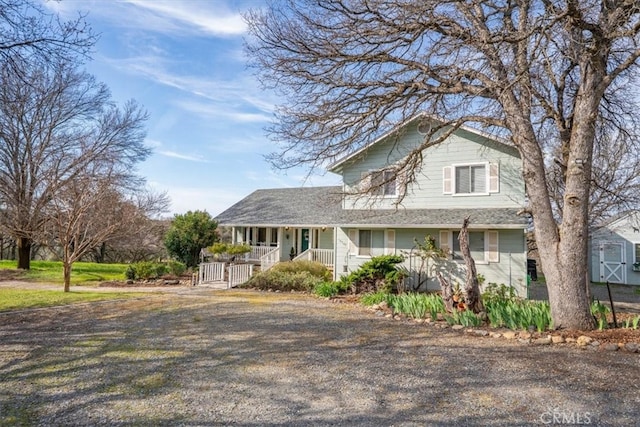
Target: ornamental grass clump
x=466, y=318
x=374, y=298
x=506, y=310
x=417, y=305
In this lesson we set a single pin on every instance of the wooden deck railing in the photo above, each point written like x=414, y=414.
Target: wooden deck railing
x=211, y=272
x=257, y=252
x=323, y=256
x=239, y=273
x=269, y=259
x=214, y=272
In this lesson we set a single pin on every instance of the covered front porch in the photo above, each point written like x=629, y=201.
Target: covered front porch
x=270, y=245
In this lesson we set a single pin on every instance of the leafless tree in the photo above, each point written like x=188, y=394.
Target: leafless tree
x=545, y=74
x=55, y=123
x=142, y=237
x=29, y=33
x=92, y=209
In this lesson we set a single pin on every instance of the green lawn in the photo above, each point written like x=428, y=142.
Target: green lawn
x=18, y=299
x=83, y=273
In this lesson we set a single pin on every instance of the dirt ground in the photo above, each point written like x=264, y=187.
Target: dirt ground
x=194, y=356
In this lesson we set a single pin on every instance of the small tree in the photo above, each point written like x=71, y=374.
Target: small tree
x=188, y=234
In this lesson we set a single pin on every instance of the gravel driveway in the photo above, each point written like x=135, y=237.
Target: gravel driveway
x=207, y=358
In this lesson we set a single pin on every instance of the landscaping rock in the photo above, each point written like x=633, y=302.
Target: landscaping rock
x=557, y=339
x=542, y=341
x=584, y=340
x=524, y=335
x=457, y=327
x=610, y=347
x=631, y=347
x=509, y=335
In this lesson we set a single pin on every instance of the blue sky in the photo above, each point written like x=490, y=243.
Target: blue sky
x=183, y=61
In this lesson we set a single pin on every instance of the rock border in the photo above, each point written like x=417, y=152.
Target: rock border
x=523, y=337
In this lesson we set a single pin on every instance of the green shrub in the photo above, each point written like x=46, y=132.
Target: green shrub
x=314, y=268
x=176, y=268
x=146, y=270
x=328, y=289
x=229, y=248
x=275, y=280
x=130, y=273
x=495, y=292
x=378, y=274
x=599, y=311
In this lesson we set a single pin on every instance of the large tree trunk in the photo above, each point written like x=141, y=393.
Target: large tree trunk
x=472, y=287
x=24, y=253
x=563, y=247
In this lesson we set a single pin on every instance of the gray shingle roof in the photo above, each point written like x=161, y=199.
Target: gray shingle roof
x=321, y=206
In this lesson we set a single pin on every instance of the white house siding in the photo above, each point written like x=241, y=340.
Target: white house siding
x=509, y=270
x=626, y=231
x=462, y=148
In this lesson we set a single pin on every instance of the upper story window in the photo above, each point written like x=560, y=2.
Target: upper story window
x=470, y=179
x=380, y=182
x=465, y=179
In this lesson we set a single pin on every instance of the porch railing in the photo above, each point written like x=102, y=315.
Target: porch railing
x=239, y=273
x=323, y=256
x=257, y=252
x=211, y=272
x=269, y=259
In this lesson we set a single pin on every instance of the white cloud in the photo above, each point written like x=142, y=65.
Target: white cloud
x=181, y=156
x=182, y=18
x=224, y=111
x=235, y=100
x=208, y=17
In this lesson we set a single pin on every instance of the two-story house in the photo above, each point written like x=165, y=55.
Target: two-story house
x=470, y=174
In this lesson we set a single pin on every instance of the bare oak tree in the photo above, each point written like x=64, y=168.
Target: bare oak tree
x=56, y=122
x=545, y=74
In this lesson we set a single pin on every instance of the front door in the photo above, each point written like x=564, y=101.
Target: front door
x=612, y=262
x=304, y=244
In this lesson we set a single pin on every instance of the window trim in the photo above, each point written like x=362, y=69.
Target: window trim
x=487, y=174
x=354, y=242
x=369, y=176
x=487, y=246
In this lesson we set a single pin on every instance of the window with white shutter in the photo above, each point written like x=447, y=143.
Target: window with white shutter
x=447, y=186
x=494, y=178
x=493, y=247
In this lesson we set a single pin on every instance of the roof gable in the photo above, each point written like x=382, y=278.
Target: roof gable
x=471, y=134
